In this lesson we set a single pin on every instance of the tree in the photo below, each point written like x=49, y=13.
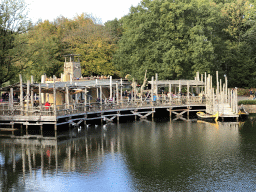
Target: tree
x=13, y=22
x=95, y=43
x=165, y=37
x=44, y=50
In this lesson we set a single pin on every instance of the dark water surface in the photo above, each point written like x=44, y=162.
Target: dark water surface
x=136, y=156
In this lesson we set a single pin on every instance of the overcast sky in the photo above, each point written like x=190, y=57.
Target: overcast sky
x=101, y=9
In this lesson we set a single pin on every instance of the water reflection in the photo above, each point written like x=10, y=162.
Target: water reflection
x=140, y=156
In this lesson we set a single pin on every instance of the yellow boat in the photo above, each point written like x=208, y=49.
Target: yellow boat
x=207, y=117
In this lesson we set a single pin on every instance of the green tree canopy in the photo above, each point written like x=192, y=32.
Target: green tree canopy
x=13, y=22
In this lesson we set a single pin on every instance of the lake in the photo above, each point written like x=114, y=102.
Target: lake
x=136, y=156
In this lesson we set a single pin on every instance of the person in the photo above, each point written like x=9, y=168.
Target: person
x=126, y=94
x=47, y=104
x=251, y=94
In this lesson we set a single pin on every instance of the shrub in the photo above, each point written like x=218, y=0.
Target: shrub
x=247, y=102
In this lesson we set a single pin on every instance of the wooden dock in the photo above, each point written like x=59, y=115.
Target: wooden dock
x=76, y=102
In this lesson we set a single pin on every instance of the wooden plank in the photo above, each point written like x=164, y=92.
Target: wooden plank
x=8, y=129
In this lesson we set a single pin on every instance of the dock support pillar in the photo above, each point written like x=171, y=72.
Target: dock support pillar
x=27, y=128
x=41, y=130
x=12, y=128
x=170, y=110
x=188, y=113
x=55, y=130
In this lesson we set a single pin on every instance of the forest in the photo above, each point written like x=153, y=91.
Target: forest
x=172, y=38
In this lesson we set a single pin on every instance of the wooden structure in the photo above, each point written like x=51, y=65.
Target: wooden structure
x=77, y=101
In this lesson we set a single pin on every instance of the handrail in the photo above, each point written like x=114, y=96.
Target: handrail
x=64, y=109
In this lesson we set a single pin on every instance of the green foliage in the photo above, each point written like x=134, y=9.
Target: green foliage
x=172, y=38
x=49, y=41
x=12, y=22
x=177, y=38
x=247, y=102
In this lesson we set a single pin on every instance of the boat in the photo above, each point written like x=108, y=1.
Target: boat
x=207, y=117
x=242, y=112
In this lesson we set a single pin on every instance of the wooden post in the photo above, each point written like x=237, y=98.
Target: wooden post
x=41, y=130
x=188, y=112
x=133, y=91
x=179, y=94
x=40, y=99
x=21, y=96
x=156, y=87
x=236, y=103
x=117, y=96
x=226, y=88
x=188, y=92
x=152, y=90
x=170, y=91
x=27, y=97
x=111, y=87
x=170, y=110
x=54, y=97
x=85, y=99
x=205, y=83
x=121, y=92
x=11, y=101
x=100, y=97
x=217, y=82
x=32, y=94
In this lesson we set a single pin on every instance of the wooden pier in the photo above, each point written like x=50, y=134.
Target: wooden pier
x=77, y=101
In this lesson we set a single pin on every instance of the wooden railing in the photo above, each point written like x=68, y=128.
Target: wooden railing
x=11, y=110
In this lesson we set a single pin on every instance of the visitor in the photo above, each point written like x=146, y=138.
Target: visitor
x=47, y=104
x=251, y=94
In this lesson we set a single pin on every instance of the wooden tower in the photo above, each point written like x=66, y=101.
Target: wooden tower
x=72, y=67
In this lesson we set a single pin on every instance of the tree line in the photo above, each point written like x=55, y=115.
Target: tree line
x=172, y=38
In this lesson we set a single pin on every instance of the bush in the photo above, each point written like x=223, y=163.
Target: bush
x=247, y=102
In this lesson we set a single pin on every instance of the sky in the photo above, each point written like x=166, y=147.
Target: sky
x=101, y=9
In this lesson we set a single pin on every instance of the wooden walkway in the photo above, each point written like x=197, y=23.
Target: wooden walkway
x=16, y=117
x=74, y=102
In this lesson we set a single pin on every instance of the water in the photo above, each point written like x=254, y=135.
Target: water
x=136, y=156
